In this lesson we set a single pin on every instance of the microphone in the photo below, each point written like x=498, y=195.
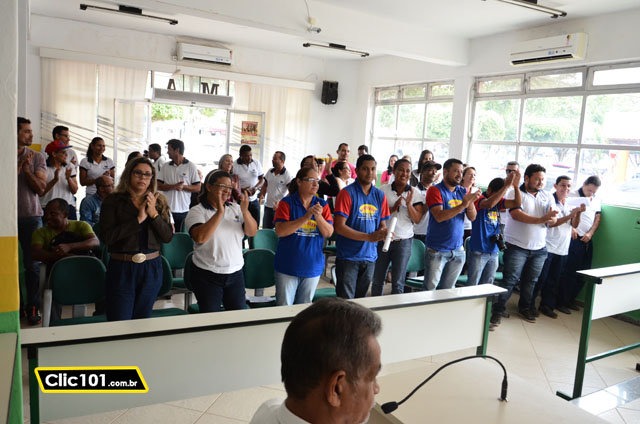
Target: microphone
x=392, y=406
x=392, y=228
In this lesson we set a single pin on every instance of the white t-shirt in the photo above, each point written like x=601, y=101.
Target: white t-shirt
x=404, y=226
x=274, y=411
x=248, y=175
x=171, y=173
x=529, y=236
x=276, y=186
x=60, y=189
x=94, y=170
x=421, y=227
x=559, y=238
x=158, y=163
x=468, y=223
x=222, y=253
x=72, y=160
x=588, y=216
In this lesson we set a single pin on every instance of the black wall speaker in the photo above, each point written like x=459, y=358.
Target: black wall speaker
x=329, y=92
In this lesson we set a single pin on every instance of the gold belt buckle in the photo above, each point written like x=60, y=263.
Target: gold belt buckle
x=139, y=258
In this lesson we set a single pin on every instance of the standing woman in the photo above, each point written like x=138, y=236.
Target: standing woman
x=384, y=179
x=218, y=226
x=328, y=188
x=468, y=182
x=303, y=221
x=406, y=204
x=342, y=172
x=95, y=165
x=226, y=164
x=134, y=222
x=61, y=178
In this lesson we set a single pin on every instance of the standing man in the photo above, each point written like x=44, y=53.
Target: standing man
x=275, y=188
x=363, y=150
x=360, y=214
x=581, y=246
x=486, y=236
x=155, y=154
x=448, y=203
x=558, y=238
x=90, y=205
x=178, y=179
x=428, y=174
x=32, y=179
x=251, y=177
x=343, y=156
x=61, y=133
x=526, y=239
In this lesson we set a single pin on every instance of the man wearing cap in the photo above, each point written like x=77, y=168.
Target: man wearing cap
x=31, y=183
x=61, y=133
x=428, y=174
x=61, y=178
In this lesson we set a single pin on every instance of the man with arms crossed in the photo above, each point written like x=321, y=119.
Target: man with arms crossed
x=359, y=219
x=330, y=359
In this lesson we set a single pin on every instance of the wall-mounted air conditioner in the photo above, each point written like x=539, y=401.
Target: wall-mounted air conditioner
x=189, y=98
x=206, y=54
x=552, y=49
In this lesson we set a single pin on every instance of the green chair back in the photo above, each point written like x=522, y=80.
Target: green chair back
x=258, y=269
x=177, y=249
x=266, y=239
x=78, y=280
x=167, y=277
x=416, y=260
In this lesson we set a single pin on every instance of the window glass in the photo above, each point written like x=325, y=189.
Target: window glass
x=546, y=82
x=411, y=148
x=389, y=94
x=411, y=120
x=440, y=151
x=496, y=120
x=619, y=171
x=500, y=85
x=439, y=121
x=617, y=76
x=385, y=121
x=552, y=119
x=442, y=90
x=557, y=161
x=612, y=119
x=413, y=92
x=490, y=161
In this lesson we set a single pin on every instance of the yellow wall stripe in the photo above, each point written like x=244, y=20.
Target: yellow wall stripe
x=9, y=288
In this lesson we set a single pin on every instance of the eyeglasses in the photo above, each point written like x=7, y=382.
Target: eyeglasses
x=509, y=171
x=311, y=180
x=223, y=187
x=140, y=174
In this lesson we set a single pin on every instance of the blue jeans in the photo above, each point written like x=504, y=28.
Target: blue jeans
x=353, y=278
x=292, y=290
x=520, y=265
x=482, y=267
x=132, y=288
x=398, y=255
x=267, y=219
x=549, y=280
x=442, y=269
x=26, y=228
x=213, y=290
x=579, y=258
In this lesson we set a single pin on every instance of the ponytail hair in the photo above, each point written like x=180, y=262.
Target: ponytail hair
x=302, y=173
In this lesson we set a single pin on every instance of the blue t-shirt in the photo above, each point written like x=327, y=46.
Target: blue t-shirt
x=300, y=254
x=445, y=235
x=485, y=226
x=364, y=213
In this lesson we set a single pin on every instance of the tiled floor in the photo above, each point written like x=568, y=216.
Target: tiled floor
x=544, y=353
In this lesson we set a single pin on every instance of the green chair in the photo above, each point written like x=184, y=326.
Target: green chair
x=75, y=280
x=265, y=239
x=259, y=273
x=176, y=252
x=330, y=248
x=191, y=308
x=499, y=276
x=167, y=283
x=416, y=264
x=327, y=291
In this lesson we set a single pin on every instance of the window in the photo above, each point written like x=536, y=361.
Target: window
x=409, y=119
x=577, y=122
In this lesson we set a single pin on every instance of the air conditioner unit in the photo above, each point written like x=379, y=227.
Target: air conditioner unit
x=191, y=99
x=207, y=54
x=552, y=49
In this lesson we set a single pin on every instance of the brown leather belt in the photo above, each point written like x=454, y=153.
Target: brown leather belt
x=138, y=258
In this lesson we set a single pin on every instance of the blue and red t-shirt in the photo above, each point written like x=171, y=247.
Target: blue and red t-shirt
x=445, y=235
x=485, y=226
x=364, y=213
x=300, y=254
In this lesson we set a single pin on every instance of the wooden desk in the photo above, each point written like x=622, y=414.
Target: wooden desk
x=468, y=392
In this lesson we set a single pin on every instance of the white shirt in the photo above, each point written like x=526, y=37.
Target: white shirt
x=468, y=223
x=248, y=175
x=61, y=188
x=72, y=160
x=529, y=236
x=274, y=411
x=276, y=186
x=404, y=226
x=171, y=173
x=94, y=170
x=559, y=238
x=222, y=253
x=421, y=227
x=588, y=216
x=158, y=164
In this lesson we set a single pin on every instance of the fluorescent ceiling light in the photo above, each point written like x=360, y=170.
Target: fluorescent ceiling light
x=128, y=10
x=533, y=5
x=339, y=47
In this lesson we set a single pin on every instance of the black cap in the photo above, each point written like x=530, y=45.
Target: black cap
x=431, y=164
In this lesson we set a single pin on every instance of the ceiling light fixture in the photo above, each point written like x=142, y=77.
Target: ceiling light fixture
x=128, y=10
x=533, y=5
x=339, y=47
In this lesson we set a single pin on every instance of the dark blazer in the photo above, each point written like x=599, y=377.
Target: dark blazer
x=120, y=230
